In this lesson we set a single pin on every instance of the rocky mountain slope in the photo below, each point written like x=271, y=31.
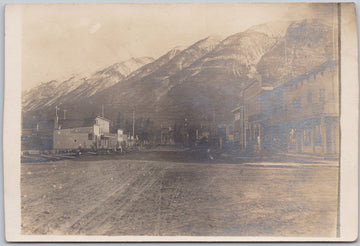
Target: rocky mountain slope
x=202, y=82
x=212, y=84
x=53, y=93
x=144, y=87
x=305, y=45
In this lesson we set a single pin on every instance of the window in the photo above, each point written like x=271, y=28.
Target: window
x=275, y=109
x=248, y=135
x=317, y=135
x=309, y=98
x=257, y=131
x=90, y=136
x=258, y=104
x=278, y=106
x=321, y=95
x=307, y=137
x=296, y=103
x=281, y=102
x=237, y=137
x=292, y=138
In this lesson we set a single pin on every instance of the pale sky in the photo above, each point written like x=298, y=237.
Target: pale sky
x=62, y=40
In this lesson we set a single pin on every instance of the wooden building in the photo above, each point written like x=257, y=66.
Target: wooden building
x=300, y=115
x=93, y=134
x=305, y=113
x=252, y=116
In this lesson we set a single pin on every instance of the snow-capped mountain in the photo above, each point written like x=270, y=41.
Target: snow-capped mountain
x=153, y=66
x=146, y=90
x=54, y=93
x=126, y=67
x=212, y=84
x=275, y=29
x=39, y=95
x=305, y=45
x=201, y=82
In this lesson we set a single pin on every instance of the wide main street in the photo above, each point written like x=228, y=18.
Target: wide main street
x=177, y=193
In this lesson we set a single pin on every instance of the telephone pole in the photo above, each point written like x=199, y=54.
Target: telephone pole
x=57, y=117
x=133, y=130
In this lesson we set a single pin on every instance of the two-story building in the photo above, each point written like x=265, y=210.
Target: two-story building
x=305, y=113
x=252, y=116
x=300, y=115
x=94, y=134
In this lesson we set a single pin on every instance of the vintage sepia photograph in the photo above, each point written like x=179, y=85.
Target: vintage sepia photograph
x=171, y=120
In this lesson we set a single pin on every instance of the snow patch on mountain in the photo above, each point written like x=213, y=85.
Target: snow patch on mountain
x=273, y=29
x=53, y=92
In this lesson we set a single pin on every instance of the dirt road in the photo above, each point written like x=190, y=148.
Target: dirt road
x=158, y=194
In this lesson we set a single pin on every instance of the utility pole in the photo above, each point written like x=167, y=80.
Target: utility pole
x=213, y=124
x=102, y=110
x=57, y=117
x=133, y=130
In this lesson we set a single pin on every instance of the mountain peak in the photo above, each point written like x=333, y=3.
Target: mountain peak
x=273, y=29
x=206, y=76
x=214, y=37
x=173, y=52
x=126, y=67
x=209, y=42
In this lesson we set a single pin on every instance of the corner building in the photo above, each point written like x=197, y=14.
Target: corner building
x=300, y=115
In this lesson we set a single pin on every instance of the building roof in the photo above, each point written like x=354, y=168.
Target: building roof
x=308, y=74
x=237, y=109
x=75, y=123
x=100, y=117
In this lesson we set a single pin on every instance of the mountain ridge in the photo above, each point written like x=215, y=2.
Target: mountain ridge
x=79, y=85
x=206, y=78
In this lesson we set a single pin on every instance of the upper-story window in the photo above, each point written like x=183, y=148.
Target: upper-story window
x=296, y=103
x=317, y=135
x=258, y=105
x=278, y=104
x=281, y=102
x=321, y=95
x=237, y=116
x=309, y=98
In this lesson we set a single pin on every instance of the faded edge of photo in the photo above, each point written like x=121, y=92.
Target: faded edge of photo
x=349, y=115
x=12, y=121
x=348, y=210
